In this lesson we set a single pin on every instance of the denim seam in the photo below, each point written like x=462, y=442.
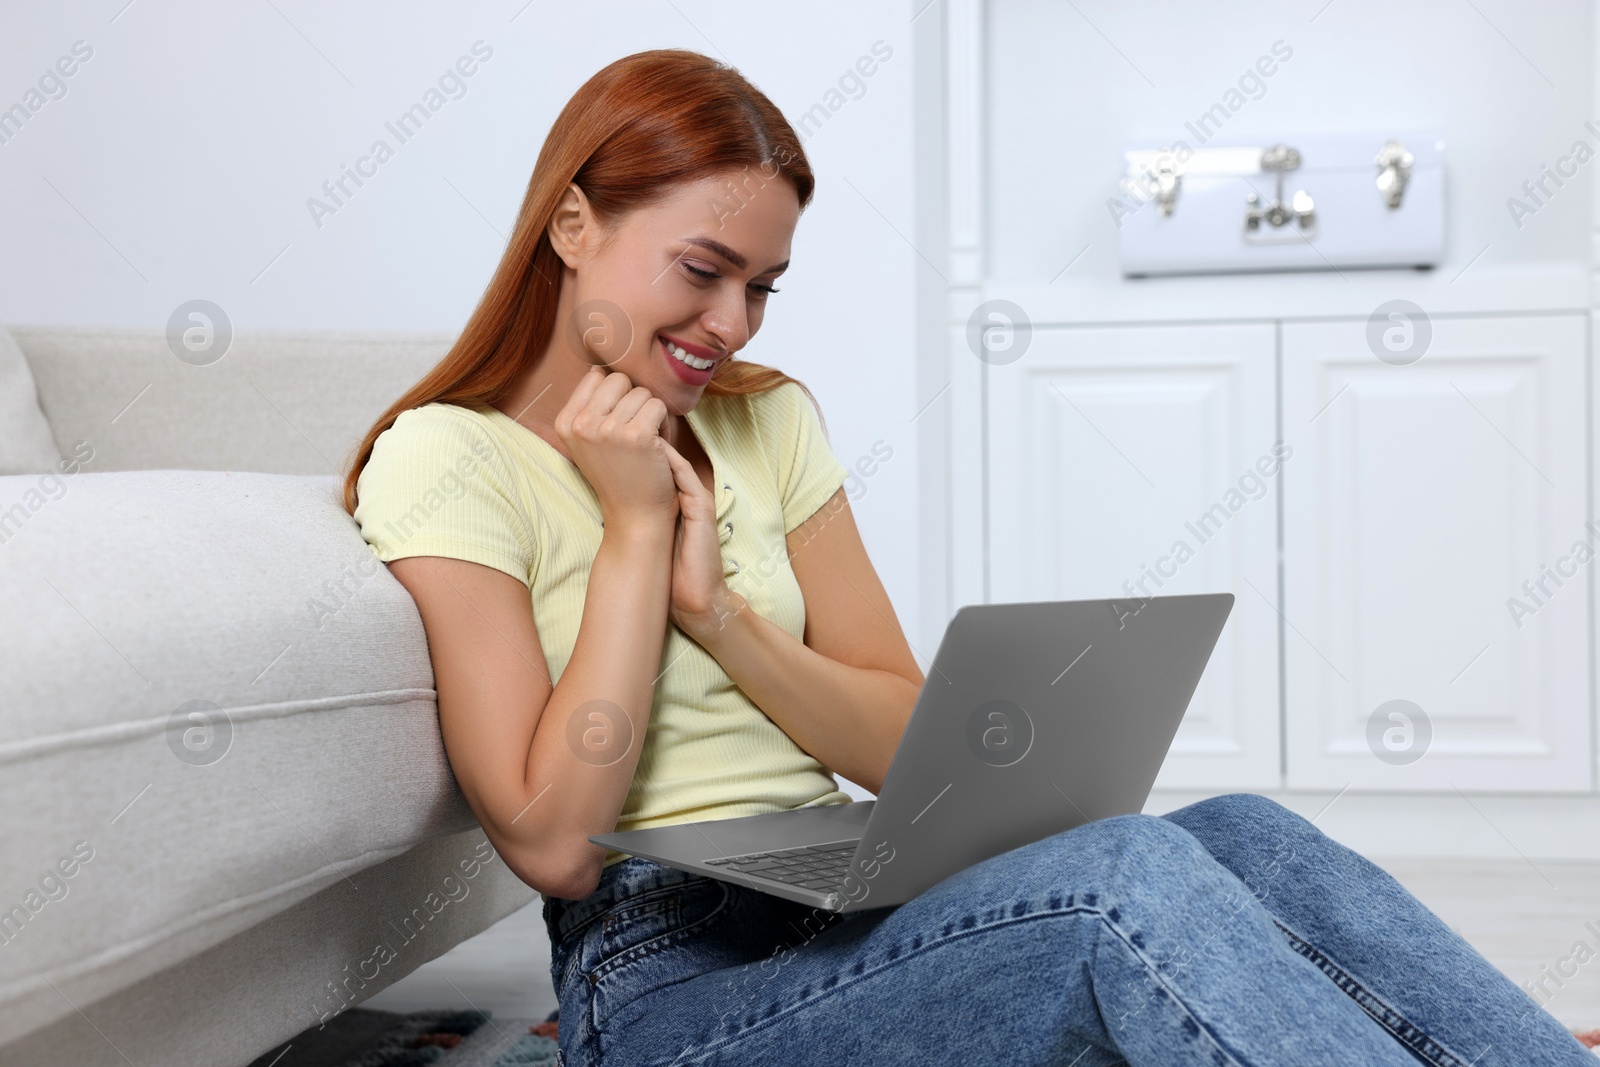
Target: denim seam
x=713, y=1048
x=634, y=953
x=649, y=948
x=592, y=908
x=573, y=932
x=1154, y=969
x=1404, y=1031
x=571, y=939
x=659, y=942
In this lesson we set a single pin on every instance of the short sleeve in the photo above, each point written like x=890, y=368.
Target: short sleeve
x=438, y=484
x=808, y=472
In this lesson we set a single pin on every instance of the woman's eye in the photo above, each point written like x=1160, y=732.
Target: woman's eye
x=708, y=275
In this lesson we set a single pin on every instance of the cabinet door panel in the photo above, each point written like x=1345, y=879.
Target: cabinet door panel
x=1418, y=501
x=1124, y=462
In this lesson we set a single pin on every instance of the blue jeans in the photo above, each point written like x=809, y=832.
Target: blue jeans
x=1229, y=932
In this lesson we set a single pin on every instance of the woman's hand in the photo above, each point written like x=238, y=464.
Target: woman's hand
x=613, y=430
x=701, y=600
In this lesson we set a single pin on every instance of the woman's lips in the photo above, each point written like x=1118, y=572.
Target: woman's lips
x=697, y=351
x=685, y=373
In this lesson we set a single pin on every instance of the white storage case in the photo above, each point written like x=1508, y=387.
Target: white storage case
x=1316, y=202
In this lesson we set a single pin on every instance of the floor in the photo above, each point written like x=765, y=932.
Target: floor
x=1536, y=923
x=1533, y=922
x=503, y=971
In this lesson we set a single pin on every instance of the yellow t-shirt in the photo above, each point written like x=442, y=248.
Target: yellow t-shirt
x=474, y=484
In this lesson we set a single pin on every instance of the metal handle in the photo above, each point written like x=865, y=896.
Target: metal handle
x=1280, y=157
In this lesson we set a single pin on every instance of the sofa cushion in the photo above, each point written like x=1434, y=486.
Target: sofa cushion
x=281, y=402
x=217, y=703
x=26, y=443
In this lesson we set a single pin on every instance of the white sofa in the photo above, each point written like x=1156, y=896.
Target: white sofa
x=158, y=904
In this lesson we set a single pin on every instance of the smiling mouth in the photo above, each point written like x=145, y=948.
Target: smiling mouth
x=689, y=367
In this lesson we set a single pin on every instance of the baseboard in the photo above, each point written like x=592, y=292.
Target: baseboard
x=1512, y=826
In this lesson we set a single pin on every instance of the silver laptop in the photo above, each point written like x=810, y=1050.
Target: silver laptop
x=1033, y=719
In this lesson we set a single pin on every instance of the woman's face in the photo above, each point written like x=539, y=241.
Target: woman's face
x=689, y=271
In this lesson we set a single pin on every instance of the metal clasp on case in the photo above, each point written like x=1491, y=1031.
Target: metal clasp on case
x=1301, y=210
x=1394, y=170
x=1168, y=183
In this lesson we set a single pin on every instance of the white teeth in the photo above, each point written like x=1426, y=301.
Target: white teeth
x=684, y=357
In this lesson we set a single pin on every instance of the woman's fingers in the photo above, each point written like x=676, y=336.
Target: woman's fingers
x=682, y=470
x=575, y=403
x=585, y=388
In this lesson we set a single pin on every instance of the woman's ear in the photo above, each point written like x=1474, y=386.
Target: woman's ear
x=572, y=226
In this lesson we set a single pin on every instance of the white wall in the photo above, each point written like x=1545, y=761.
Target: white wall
x=1507, y=84
x=178, y=164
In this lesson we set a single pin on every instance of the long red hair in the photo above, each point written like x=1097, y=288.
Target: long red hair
x=632, y=131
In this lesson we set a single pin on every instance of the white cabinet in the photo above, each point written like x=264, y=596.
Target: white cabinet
x=1430, y=516
x=1433, y=537
x=1130, y=458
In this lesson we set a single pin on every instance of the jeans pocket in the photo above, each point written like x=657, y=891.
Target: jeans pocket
x=630, y=945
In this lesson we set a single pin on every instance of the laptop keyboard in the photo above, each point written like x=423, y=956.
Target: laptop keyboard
x=810, y=866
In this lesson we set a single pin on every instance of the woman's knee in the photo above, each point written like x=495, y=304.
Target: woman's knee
x=1262, y=842
x=1238, y=815
x=1120, y=848
x=1127, y=857
x=1149, y=868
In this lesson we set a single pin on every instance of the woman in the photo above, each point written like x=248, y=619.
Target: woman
x=647, y=602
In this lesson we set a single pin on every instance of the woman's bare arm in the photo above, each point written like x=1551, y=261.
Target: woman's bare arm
x=538, y=787
x=846, y=693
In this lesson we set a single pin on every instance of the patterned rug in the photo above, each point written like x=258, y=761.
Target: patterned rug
x=361, y=1037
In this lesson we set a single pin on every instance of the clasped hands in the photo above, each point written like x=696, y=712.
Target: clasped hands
x=701, y=600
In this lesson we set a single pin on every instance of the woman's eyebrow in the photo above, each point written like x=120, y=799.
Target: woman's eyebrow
x=729, y=254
